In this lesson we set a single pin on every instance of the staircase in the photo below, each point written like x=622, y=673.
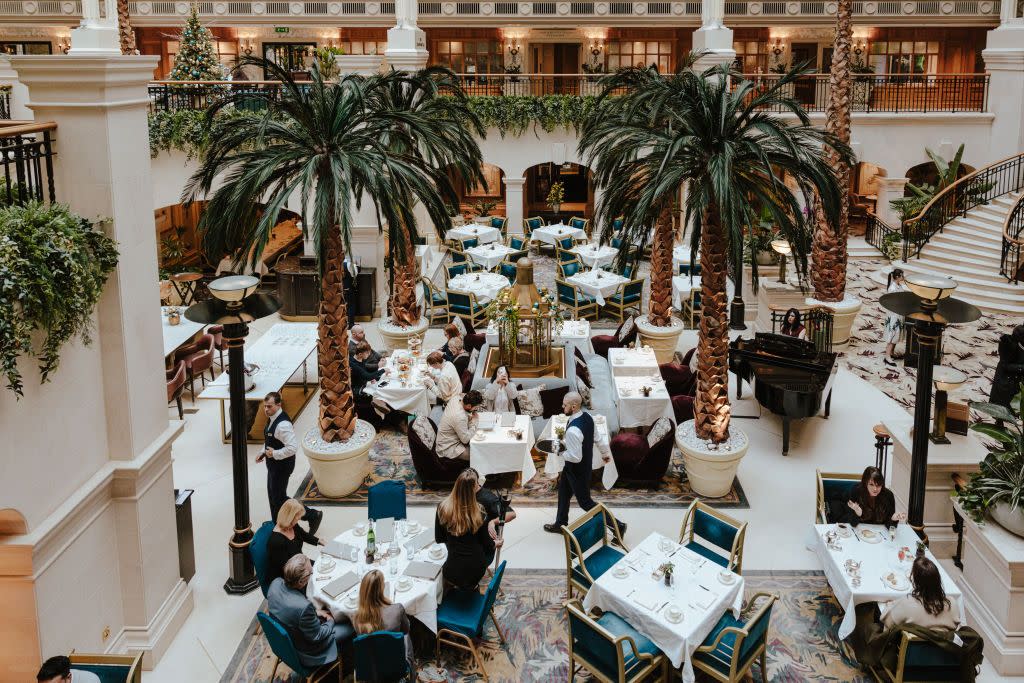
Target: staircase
x=969, y=249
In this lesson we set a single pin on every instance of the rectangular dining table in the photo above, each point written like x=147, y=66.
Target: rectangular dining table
x=599, y=284
x=682, y=287
x=481, y=233
x=627, y=362
x=550, y=234
x=877, y=559
x=637, y=410
x=699, y=589
x=497, y=450
x=489, y=255
x=176, y=336
x=555, y=463
x=410, y=395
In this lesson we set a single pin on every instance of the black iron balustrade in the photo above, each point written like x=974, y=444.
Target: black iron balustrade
x=26, y=161
x=5, y=102
x=1011, y=265
x=181, y=95
x=817, y=321
x=885, y=238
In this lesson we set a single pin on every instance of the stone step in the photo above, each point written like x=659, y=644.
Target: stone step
x=966, y=277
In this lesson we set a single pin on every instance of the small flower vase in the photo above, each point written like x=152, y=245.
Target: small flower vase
x=173, y=318
x=668, y=579
x=556, y=207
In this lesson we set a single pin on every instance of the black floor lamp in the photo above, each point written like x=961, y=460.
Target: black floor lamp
x=235, y=305
x=929, y=305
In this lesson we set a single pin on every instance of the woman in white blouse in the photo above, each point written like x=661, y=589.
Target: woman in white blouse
x=443, y=382
x=500, y=394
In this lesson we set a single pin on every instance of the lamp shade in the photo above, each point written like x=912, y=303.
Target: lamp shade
x=947, y=378
x=234, y=288
x=781, y=247
x=930, y=287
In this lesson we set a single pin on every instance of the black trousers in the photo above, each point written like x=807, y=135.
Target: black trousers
x=572, y=483
x=278, y=473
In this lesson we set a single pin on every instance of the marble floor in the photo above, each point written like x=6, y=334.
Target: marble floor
x=780, y=491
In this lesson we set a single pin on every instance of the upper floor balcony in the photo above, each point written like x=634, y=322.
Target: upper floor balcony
x=521, y=12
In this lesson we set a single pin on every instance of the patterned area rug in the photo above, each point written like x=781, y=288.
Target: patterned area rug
x=802, y=642
x=390, y=459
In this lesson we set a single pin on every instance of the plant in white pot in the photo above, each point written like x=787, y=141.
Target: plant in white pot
x=997, y=488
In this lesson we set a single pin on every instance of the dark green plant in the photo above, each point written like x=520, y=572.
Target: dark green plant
x=948, y=173
x=483, y=207
x=759, y=236
x=14, y=194
x=325, y=60
x=779, y=68
x=1000, y=478
x=53, y=265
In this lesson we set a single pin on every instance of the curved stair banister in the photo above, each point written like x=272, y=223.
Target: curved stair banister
x=1013, y=243
x=974, y=189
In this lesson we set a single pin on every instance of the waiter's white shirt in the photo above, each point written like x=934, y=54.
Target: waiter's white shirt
x=573, y=441
x=79, y=676
x=285, y=433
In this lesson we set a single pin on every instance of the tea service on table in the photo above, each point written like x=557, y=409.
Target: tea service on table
x=853, y=570
x=674, y=613
x=436, y=552
x=727, y=577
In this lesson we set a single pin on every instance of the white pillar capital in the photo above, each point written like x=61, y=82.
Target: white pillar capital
x=365, y=65
x=514, y=183
x=716, y=44
x=407, y=48
x=1004, y=60
x=888, y=190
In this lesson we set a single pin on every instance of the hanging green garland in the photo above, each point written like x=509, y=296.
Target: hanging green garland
x=53, y=265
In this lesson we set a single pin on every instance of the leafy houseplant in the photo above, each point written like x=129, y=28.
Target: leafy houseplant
x=920, y=195
x=53, y=265
x=555, y=196
x=758, y=241
x=483, y=207
x=892, y=246
x=779, y=68
x=325, y=61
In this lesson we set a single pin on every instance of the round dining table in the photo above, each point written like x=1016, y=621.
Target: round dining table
x=484, y=285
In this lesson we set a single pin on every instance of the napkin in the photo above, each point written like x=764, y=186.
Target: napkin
x=422, y=540
x=648, y=599
x=385, y=530
x=704, y=598
x=422, y=570
x=341, y=584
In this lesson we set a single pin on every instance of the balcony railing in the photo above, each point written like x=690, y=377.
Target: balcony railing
x=5, y=102
x=1012, y=263
x=26, y=161
x=885, y=238
x=178, y=95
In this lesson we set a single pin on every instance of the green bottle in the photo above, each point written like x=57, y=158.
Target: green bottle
x=371, y=544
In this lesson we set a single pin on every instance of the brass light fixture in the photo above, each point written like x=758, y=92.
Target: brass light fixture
x=783, y=249
x=946, y=379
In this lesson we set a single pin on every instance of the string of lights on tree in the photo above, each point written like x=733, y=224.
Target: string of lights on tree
x=197, y=57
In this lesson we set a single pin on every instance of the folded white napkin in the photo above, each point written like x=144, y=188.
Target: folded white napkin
x=704, y=598
x=647, y=599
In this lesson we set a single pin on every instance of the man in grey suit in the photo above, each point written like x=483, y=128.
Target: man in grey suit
x=315, y=634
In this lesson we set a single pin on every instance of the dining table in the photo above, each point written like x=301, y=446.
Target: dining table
x=627, y=362
x=573, y=334
x=681, y=255
x=638, y=410
x=403, y=390
x=555, y=462
x=701, y=590
x=682, y=286
x=420, y=599
x=481, y=233
x=595, y=255
x=599, y=284
x=484, y=285
x=496, y=449
x=882, y=572
x=489, y=255
x=176, y=336
x=551, y=234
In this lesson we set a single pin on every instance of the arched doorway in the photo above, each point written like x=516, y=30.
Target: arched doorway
x=481, y=199
x=864, y=194
x=926, y=173
x=577, y=184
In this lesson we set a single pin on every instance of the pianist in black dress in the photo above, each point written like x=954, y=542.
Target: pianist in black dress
x=792, y=326
x=869, y=502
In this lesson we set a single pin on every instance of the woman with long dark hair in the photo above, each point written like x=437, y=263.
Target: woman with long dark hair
x=461, y=524
x=377, y=613
x=869, y=502
x=927, y=605
x=792, y=325
x=500, y=394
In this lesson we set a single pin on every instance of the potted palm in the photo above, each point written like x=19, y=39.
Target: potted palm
x=720, y=139
x=555, y=196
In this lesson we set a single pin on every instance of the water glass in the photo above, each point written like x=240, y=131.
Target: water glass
x=393, y=566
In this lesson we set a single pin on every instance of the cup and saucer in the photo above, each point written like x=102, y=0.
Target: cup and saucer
x=412, y=526
x=326, y=565
x=352, y=601
x=844, y=530
x=665, y=545
x=620, y=572
x=674, y=614
x=727, y=577
x=436, y=552
x=360, y=529
x=479, y=436
x=404, y=583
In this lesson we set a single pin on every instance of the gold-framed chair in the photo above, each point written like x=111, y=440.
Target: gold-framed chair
x=570, y=297
x=611, y=650
x=629, y=295
x=580, y=223
x=589, y=552
x=462, y=617
x=691, y=306
x=501, y=223
x=714, y=535
x=435, y=302
x=126, y=668
x=465, y=306
x=831, y=485
x=732, y=647
x=918, y=653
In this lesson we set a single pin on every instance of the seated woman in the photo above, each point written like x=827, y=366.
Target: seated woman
x=377, y=613
x=792, y=326
x=443, y=382
x=501, y=394
x=287, y=538
x=869, y=502
x=451, y=331
x=461, y=524
x=460, y=359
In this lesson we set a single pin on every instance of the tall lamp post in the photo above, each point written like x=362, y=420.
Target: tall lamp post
x=235, y=305
x=929, y=305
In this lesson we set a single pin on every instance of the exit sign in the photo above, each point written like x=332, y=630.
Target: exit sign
x=281, y=29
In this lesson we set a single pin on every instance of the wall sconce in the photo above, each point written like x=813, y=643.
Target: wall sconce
x=596, y=48
x=777, y=48
x=859, y=47
x=64, y=44
x=248, y=46
x=513, y=48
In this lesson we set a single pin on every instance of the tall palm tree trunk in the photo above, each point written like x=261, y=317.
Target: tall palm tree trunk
x=404, y=309
x=712, y=401
x=124, y=28
x=828, y=268
x=337, y=405
x=660, y=307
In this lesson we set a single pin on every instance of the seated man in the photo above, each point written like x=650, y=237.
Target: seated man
x=443, y=382
x=58, y=670
x=458, y=424
x=315, y=634
x=357, y=335
x=362, y=374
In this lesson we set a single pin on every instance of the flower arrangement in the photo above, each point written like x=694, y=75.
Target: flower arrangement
x=503, y=311
x=666, y=570
x=556, y=194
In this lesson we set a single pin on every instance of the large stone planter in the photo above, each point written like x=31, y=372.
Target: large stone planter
x=397, y=338
x=340, y=468
x=662, y=339
x=845, y=315
x=711, y=469
x=1009, y=519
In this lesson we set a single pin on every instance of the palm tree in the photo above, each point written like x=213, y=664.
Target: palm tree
x=328, y=144
x=124, y=28
x=828, y=255
x=720, y=139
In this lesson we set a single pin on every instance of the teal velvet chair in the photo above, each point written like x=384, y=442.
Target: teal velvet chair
x=830, y=486
x=686, y=269
x=723, y=533
x=434, y=302
x=610, y=649
x=499, y=222
x=590, y=533
x=629, y=295
x=508, y=269
x=566, y=243
x=733, y=645
x=109, y=668
x=464, y=305
x=386, y=499
x=617, y=224
x=918, y=660
x=380, y=657
x=462, y=616
x=469, y=243
x=514, y=242
x=457, y=269
x=531, y=224
x=282, y=646
x=569, y=268
x=569, y=296
x=580, y=224
x=616, y=242
x=258, y=553
x=514, y=256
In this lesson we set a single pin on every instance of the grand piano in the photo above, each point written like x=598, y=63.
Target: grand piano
x=790, y=376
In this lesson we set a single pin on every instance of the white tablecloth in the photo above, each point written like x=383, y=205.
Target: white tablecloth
x=638, y=410
x=681, y=254
x=574, y=333
x=595, y=256
x=877, y=559
x=499, y=451
x=420, y=601
x=489, y=256
x=550, y=234
x=177, y=335
x=633, y=363
x=485, y=285
x=597, y=283
x=555, y=462
x=697, y=590
x=482, y=233
x=412, y=397
x=682, y=285
x=280, y=352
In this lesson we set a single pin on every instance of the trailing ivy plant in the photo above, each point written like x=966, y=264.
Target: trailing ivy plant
x=53, y=265
x=1000, y=477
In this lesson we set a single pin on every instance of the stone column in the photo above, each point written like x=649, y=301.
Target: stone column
x=96, y=35
x=514, y=204
x=713, y=37
x=19, y=93
x=1004, y=60
x=888, y=190
x=407, y=43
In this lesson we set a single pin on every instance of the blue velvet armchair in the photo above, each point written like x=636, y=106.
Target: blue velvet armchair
x=590, y=532
x=610, y=649
x=723, y=533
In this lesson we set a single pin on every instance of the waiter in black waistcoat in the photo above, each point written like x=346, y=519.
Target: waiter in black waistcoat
x=579, y=444
x=279, y=448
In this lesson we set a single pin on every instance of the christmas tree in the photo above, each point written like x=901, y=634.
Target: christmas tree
x=197, y=58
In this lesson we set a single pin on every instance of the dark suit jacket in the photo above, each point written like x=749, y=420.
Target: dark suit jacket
x=361, y=375
x=372, y=362
x=885, y=508
x=315, y=641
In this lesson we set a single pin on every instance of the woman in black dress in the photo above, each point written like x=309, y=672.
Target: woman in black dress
x=461, y=524
x=1010, y=370
x=287, y=538
x=869, y=502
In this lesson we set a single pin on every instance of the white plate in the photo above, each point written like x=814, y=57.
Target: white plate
x=901, y=583
x=403, y=587
x=620, y=572
x=874, y=537
x=480, y=437
x=727, y=578
x=673, y=619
